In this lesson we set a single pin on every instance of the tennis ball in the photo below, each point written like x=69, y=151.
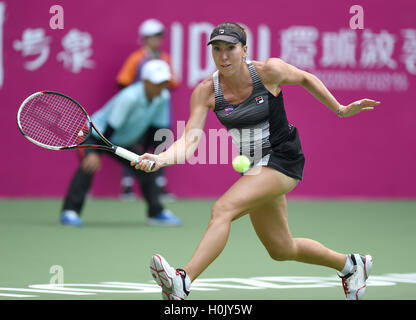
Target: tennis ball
x=241, y=163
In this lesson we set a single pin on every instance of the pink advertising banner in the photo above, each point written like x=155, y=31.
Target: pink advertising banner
x=362, y=51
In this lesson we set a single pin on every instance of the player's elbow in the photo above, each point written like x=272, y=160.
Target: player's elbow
x=306, y=79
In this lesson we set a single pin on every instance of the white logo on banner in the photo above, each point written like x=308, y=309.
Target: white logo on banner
x=198, y=33
x=377, y=49
x=77, y=46
x=34, y=43
x=345, y=59
x=196, y=72
x=338, y=48
x=298, y=46
x=409, y=50
x=2, y=15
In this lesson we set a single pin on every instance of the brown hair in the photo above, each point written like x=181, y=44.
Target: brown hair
x=232, y=25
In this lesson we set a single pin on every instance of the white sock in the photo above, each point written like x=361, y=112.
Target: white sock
x=187, y=283
x=348, y=266
x=187, y=279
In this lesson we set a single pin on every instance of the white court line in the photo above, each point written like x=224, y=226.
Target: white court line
x=209, y=284
x=17, y=295
x=45, y=291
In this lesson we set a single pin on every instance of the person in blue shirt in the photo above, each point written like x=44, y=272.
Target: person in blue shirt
x=123, y=120
x=151, y=33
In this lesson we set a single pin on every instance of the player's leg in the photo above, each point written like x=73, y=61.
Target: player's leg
x=248, y=193
x=271, y=225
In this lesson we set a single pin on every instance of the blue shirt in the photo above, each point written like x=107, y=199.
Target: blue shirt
x=130, y=114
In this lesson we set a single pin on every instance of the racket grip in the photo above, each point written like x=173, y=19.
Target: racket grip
x=131, y=156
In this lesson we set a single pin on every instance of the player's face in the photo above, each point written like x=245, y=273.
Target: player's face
x=153, y=90
x=228, y=57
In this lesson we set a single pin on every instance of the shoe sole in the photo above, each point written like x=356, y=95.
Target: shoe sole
x=159, y=269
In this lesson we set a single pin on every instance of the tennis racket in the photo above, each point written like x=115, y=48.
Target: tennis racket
x=54, y=121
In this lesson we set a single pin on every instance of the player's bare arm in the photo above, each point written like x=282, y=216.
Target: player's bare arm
x=276, y=72
x=202, y=99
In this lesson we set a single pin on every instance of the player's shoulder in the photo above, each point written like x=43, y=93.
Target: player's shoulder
x=269, y=67
x=269, y=70
x=206, y=85
x=204, y=92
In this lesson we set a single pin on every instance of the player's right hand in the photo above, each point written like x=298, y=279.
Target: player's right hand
x=142, y=164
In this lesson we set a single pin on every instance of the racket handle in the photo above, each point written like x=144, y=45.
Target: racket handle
x=131, y=156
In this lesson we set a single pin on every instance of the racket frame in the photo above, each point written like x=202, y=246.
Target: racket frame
x=124, y=153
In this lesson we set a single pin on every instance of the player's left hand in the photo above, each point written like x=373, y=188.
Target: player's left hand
x=358, y=106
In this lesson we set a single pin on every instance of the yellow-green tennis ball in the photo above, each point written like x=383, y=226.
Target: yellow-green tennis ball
x=241, y=163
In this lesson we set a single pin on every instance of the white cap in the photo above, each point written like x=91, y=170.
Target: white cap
x=150, y=28
x=156, y=71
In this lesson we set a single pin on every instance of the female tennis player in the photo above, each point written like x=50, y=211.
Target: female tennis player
x=247, y=95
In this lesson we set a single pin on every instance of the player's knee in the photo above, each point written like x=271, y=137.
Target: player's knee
x=279, y=256
x=221, y=211
x=284, y=251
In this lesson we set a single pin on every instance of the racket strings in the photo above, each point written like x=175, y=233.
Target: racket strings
x=54, y=120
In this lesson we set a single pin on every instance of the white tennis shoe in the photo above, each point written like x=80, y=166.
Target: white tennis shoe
x=174, y=282
x=354, y=282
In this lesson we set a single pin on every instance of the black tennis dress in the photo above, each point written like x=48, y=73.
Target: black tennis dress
x=260, y=129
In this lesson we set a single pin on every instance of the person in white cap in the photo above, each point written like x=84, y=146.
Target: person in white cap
x=123, y=120
x=151, y=33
